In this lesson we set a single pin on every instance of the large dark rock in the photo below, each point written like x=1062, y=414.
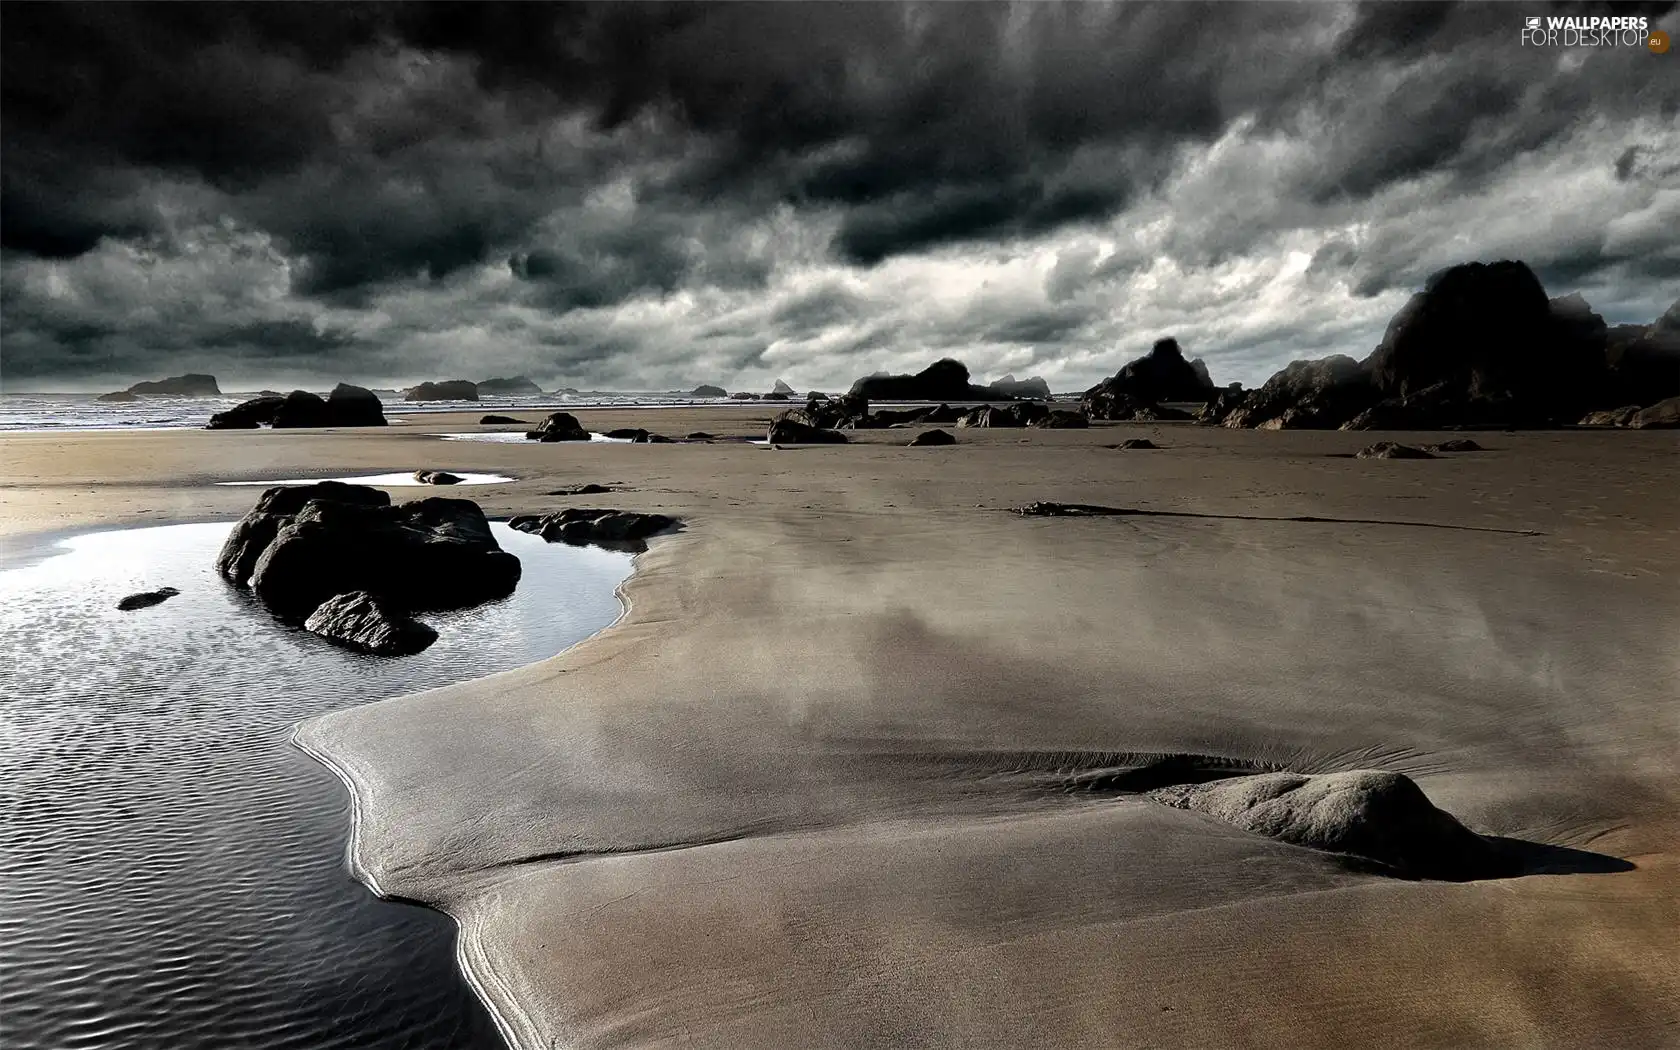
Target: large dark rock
x=119, y=396
x=1371, y=815
x=1034, y=388
x=707, y=390
x=1221, y=405
x=494, y=420
x=515, y=386
x=944, y=380
x=253, y=533
x=1117, y=406
x=792, y=432
x=193, y=384
x=781, y=389
x=616, y=529
x=1664, y=415
x=353, y=406
x=1642, y=362
x=742, y=395
x=247, y=415
x=559, y=426
x=1160, y=375
x=360, y=621
x=932, y=437
x=447, y=390
x=1308, y=395
x=437, y=477
x=146, y=599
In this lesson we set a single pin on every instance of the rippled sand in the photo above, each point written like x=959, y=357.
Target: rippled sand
x=173, y=867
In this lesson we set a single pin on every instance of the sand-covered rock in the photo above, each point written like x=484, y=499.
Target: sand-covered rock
x=1392, y=450
x=446, y=390
x=558, y=426
x=929, y=438
x=1370, y=814
x=360, y=621
x=146, y=599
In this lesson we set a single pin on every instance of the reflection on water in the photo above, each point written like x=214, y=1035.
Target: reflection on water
x=172, y=869
x=395, y=480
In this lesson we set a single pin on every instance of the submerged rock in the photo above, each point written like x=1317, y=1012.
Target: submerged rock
x=358, y=620
x=147, y=599
x=558, y=426
x=1369, y=814
x=786, y=431
x=1392, y=450
x=932, y=437
x=437, y=477
x=617, y=529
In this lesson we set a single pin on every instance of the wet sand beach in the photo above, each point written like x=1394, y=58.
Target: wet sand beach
x=833, y=779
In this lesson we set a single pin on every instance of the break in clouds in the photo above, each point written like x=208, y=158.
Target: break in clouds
x=642, y=196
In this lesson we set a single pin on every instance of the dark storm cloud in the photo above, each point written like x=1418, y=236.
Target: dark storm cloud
x=501, y=167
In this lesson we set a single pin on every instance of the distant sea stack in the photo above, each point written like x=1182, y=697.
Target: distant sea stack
x=517, y=386
x=1160, y=375
x=944, y=380
x=782, y=389
x=1031, y=389
x=707, y=390
x=447, y=390
x=193, y=384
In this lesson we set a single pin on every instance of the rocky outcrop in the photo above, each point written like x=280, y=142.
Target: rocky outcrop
x=1454, y=445
x=193, y=384
x=932, y=437
x=1160, y=375
x=558, y=426
x=1061, y=420
x=743, y=396
x=944, y=380
x=1642, y=362
x=1121, y=407
x=360, y=621
x=616, y=529
x=118, y=396
x=707, y=390
x=781, y=389
x=1307, y=395
x=302, y=545
x=1221, y=405
x=146, y=599
x=850, y=412
x=247, y=415
x=1392, y=450
x=1020, y=414
x=1664, y=415
x=495, y=420
x=447, y=390
x=514, y=386
x=346, y=406
x=437, y=477
x=787, y=431
x=1030, y=389
x=1611, y=417
x=1378, y=817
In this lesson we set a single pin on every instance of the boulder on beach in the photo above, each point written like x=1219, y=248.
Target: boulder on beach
x=247, y=415
x=118, y=396
x=1454, y=445
x=435, y=553
x=146, y=599
x=932, y=437
x=193, y=384
x=1034, y=388
x=447, y=390
x=358, y=620
x=618, y=529
x=1372, y=815
x=1664, y=415
x=1061, y=420
x=1160, y=375
x=515, y=386
x=786, y=431
x=558, y=426
x=1136, y=443
x=707, y=390
x=1020, y=414
x=1392, y=450
x=944, y=380
x=346, y=406
x=495, y=420
x=437, y=477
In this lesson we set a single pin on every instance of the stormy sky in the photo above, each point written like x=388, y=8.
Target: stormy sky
x=643, y=196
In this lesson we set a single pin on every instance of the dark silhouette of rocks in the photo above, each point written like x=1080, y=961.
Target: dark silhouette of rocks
x=515, y=386
x=707, y=390
x=1305, y=395
x=437, y=477
x=944, y=380
x=1374, y=816
x=193, y=384
x=1121, y=407
x=743, y=396
x=1220, y=406
x=850, y=412
x=1020, y=414
x=1034, y=388
x=558, y=426
x=360, y=621
x=346, y=406
x=119, y=396
x=1160, y=375
x=1136, y=443
x=1392, y=450
x=1610, y=417
x=1058, y=419
x=300, y=546
x=785, y=431
x=495, y=420
x=1664, y=415
x=1642, y=362
x=447, y=390
x=932, y=437
x=614, y=529
x=147, y=599
x=1454, y=445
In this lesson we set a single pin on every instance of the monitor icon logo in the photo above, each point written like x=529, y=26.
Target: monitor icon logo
x=1534, y=23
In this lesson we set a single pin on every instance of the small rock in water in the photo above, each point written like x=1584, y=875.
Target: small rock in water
x=932, y=437
x=359, y=621
x=147, y=599
x=437, y=477
x=1392, y=450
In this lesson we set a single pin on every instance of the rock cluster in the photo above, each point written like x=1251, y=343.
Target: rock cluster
x=786, y=430
x=447, y=390
x=437, y=477
x=1160, y=375
x=1392, y=450
x=302, y=545
x=615, y=529
x=345, y=406
x=944, y=380
x=193, y=384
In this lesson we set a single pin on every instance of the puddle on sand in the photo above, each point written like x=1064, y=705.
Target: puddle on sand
x=174, y=869
x=393, y=480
